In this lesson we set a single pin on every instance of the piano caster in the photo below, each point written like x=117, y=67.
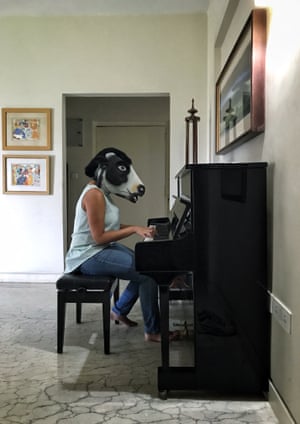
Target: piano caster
x=163, y=394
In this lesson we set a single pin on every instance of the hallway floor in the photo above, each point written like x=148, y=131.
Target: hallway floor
x=83, y=385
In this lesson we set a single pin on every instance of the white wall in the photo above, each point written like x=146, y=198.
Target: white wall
x=279, y=146
x=44, y=58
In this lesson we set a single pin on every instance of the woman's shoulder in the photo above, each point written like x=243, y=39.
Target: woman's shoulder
x=92, y=187
x=92, y=195
x=91, y=190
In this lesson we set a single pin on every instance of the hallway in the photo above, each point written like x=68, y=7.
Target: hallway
x=83, y=385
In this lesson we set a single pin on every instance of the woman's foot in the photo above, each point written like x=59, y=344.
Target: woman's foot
x=173, y=335
x=124, y=320
x=152, y=337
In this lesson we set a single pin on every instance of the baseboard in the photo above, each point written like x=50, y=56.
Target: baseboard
x=278, y=406
x=28, y=278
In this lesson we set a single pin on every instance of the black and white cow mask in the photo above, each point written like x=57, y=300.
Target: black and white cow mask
x=113, y=172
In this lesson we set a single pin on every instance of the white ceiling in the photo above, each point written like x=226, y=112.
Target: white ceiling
x=99, y=7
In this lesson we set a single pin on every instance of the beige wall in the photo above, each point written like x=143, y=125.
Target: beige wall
x=44, y=58
x=278, y=146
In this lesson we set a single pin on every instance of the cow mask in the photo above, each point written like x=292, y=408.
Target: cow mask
x=113, y=172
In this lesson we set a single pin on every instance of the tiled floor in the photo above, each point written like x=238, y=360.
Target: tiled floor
x=83, y=385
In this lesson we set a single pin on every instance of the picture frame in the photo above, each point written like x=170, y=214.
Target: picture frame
x=26, y=174
x=240, y=88
x=26, y=129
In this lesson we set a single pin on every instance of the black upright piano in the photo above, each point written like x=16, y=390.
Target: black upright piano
x=217, y=240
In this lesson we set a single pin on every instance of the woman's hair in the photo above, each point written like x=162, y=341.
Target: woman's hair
x=102, y=159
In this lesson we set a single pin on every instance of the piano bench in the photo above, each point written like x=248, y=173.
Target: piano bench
x=79, y=288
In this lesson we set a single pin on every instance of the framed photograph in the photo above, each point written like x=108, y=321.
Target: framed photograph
x=240, y=89
x=24, y=174
x=26, y=129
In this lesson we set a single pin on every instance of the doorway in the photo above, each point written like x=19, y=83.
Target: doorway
x=146, y=145
x=138, y=125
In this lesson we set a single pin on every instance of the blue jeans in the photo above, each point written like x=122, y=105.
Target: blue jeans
x=118, y=260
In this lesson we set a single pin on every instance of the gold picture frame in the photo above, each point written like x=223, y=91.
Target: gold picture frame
x=26, y=129
x=26, y=174
x=240, y=88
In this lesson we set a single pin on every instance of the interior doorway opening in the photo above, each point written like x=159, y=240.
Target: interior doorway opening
x=138, y=125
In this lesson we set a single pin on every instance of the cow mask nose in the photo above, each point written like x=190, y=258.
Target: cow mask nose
x=141, y=190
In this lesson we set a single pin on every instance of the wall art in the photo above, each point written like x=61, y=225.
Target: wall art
x=24, y=174
x=26, y=129
x=240, y=89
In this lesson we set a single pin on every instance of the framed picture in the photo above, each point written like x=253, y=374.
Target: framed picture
x=240, y=89
x=26, y=129
x=24, y=174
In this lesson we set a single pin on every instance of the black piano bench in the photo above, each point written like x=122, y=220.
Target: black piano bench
x=79, y=288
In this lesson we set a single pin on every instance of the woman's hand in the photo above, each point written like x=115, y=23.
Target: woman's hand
x=146, y=232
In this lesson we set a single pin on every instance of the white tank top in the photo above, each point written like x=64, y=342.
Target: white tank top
x=83, y=245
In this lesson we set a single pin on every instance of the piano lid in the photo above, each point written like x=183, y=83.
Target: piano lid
x=184, y=174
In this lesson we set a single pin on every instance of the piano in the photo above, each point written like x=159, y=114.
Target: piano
x=216, y=237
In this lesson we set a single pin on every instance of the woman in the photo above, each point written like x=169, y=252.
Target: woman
x=95, y=247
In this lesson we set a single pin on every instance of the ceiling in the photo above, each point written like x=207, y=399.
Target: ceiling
x=99, y=7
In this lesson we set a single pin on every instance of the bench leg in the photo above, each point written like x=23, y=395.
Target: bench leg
x=78, y=313
x=106, y=323
x=117, y=292
x=61, y=315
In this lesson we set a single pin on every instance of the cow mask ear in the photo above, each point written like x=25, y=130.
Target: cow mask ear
x=99, y=175
x=104, y=154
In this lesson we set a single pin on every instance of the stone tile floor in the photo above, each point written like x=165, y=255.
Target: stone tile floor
x=85, y=386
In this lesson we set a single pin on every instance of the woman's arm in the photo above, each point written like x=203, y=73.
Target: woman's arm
x=94, y=205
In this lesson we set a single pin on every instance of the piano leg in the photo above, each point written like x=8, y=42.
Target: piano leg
x=164, y=325
x=164, y=328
